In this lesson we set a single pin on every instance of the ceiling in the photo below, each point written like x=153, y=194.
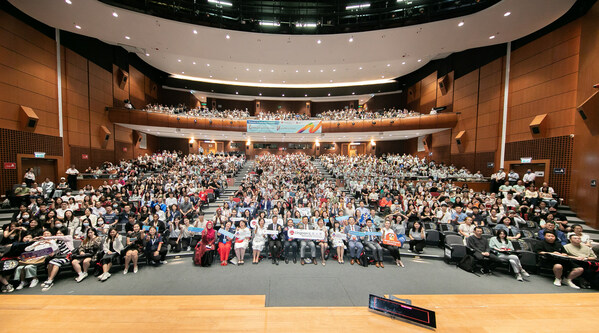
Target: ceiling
x=257, y=59
x=272, y=137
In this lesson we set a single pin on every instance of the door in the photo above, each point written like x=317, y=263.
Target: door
x=539, y=168
x=41, y=167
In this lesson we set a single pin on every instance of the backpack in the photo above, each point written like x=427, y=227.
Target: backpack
x=467, y=263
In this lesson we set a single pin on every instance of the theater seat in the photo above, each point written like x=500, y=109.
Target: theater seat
x=455, y=249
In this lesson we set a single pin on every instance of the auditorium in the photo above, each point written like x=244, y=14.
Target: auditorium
x=301, y=166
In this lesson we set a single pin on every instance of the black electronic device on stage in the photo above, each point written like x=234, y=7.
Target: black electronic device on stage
x=402, y=310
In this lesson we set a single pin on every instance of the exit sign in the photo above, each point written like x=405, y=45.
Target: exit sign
x=10, y=165
x=38, y=154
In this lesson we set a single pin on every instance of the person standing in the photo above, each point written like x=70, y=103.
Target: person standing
x=72, y=174
x=29, y=177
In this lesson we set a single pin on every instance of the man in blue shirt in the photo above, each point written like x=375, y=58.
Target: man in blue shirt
x=550, y=227
x=458, y=216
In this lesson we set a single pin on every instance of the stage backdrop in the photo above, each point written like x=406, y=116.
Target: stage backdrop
x=284, y=126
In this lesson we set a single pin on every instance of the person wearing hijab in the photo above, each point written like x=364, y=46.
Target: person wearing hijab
x=206, y=244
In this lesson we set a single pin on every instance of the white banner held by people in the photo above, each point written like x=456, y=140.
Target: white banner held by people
x=340, y=235
x=305, y=234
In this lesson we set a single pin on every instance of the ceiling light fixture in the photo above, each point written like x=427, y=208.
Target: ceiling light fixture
x=507, y=14
x=358, y=6
x=68, y=2
x=351, y=39
x=147, y=54
x=115, y=14
x=194, y=62
x=492, y=37
x=388, y=65
x=178, y=60
x=403, y=62
x=195, y=32
x=259, y=69
x=247, y=69
x=269, y=24
x=297, y=71
x=306, y=25
x=78, y=26
x=419, y=60
x=220, y=3
x=318, y=41
x=275, y=85
x=227, y=36
x=360, y=68
x=127, y=37
x=334, y=70
x=272, y=70
x=461, y=24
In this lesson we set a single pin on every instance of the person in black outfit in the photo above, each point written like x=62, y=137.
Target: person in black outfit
x=482, y=250
x=274, y=241
x=289, y=243
x=553, y=255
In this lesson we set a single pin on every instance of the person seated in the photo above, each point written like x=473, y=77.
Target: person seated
x=584, y=238
x=135, y=245
x=458, y=216
x=581, y=254
x=504, y=248
x=60, y=257
x=289, y=244
x=553, y=256
x=87, y=252
x=307, y=242
x=417, y=237
x=481, y=250
x=550, y=227
x=155, y=249
x=512, y=231
x=113, y=248
x=509, y=202
x=205, y=248
x=242, y=239
x=354, y=242
x=373, y=243
x=224, y=243
x=466, y=229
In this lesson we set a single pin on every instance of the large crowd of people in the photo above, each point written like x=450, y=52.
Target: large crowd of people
x=361, y=114
x=182, y=109
x=286, y=211
x=283, y=115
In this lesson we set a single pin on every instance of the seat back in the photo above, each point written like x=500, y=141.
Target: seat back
x=454, y=240
x=527, y=233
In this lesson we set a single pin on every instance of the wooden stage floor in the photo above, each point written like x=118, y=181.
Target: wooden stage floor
x=455, y=313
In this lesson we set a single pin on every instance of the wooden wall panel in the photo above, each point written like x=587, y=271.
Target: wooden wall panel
x=585, y=164
x=465, y=103
x=137, y=88
x=77, y=100
x=100, y=97
x=28, y=75
x=544, y=79
x=428, y=94
x=118, y=94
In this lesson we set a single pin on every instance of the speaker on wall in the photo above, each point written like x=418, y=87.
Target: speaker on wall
x=443, y=84
x=122, y=78
x=104, y=136
x=427, y=142
x=136, y=138
x=459, y=140
x=537, y=125
x=589, y=112
x=28, y=119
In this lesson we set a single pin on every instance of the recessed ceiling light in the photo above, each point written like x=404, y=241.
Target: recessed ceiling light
x=259, y=80
x=78, y=26
x=388, y=65
x=194, y=62
x=403, y=62
x=195, y=32
x=247, y=69
x=419, y=60
x=322, y=70
x=360, y=68
x=236, y=93
x=351, y=39
x=318, y=41
x=507, y=14
x=115, y=14
x=330, y=80
x=305, y=95
x=329, y=94
x=228, y=37
x=182, y=72
x=334, y=70
x=260, y=94
x=147, y=54
x=259, y=69
x=127, y=37
x=283, y=95
x=272, y=70
x=461, y=24
x=309, y=71
x=492, y=37
x=210, y=75
x=178, y=60
x=353, y=93
x=68, y=2
x=208, y=65
x=235, y=79
x=297, y=71
x=382, y=76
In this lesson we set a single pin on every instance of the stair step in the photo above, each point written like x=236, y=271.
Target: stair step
x=574, y=219
x=566, y=212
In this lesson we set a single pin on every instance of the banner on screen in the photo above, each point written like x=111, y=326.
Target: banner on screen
x=284, y=126
x=305, y=234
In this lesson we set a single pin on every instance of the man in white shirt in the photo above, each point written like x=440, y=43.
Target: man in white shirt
x=509, y=202
x=72, y=174
x=513, y=177
x=529, y=178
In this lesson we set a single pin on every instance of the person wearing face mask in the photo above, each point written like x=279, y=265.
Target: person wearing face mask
x=529, y=178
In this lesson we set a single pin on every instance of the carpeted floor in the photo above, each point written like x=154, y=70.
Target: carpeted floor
x=296, y=285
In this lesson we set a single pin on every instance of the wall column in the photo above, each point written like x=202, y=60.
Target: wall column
x=505, y=103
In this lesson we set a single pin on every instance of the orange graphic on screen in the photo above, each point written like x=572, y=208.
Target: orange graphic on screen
x=310, y=127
